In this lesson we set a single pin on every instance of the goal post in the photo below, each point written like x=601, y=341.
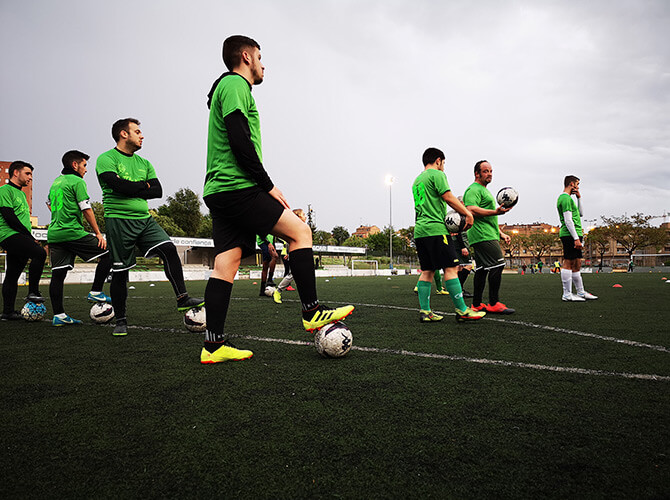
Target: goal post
x=365, y=268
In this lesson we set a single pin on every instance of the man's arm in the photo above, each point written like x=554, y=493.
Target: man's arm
x=122, y=186
x=154, y=190
x=13, y=221
x=239, y=136
x=485, y=212
x=456, y=204
x=90, y=218
x=570, y=226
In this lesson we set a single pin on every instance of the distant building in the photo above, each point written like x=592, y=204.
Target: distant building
x=4, y=179
x=365, y=231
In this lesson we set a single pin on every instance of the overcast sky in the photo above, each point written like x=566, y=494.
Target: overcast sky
x=354, y=91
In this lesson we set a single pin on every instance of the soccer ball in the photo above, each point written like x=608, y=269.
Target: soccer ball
x=333, y=340
x=101, y=313
x=33, y=312
x=269, y=291
x=455, y=222
x=507, y=197
x=195, y=319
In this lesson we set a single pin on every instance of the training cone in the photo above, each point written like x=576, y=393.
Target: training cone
x=617, y=286
x=664, y=278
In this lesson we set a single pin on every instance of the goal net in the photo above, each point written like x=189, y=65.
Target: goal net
x=364, y=267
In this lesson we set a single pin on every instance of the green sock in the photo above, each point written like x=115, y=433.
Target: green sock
x=424, y=294
x=453, y=286
x=438, y=281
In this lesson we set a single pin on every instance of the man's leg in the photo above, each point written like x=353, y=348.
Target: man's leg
x=119, y=292
x=56, y=290
x=175, y=274
x=15, y=262
x=495, y=279
x=37, y=256
x=566, y=277
x=479, y=283
x=101, y=272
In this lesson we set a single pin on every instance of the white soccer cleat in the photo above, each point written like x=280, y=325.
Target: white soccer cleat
x=587, y=296
x=572, y=298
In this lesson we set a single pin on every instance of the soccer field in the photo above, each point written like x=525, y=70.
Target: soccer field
x=559, y=400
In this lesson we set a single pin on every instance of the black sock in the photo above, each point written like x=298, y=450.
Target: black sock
x=10, y=286
x=463, y=275
x=172, y=267
x=119, y=292
x=217, y=300
x=101, y=272
x=302, y=267
x=56, y=290
x=35, y=269
x=479, y=285
x=495, y=278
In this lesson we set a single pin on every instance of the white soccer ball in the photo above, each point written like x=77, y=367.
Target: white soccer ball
x=195, y=319
x=270, y=290
x=101, y=313
x=455, y=222
x=333, y=340
x=507, y=197
x=33, y=312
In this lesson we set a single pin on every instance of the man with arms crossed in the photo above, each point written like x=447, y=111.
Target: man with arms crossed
x=70, y=204
x=244, y=201
x=571, y=235
x=128, y=181
x=17, y=240
x=434, y=246
x=484, y=237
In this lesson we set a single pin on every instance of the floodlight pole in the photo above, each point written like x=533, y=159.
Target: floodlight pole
x=389, y=180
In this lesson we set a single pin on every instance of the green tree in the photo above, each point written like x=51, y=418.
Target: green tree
x=340, y=234
x=169, y=225
x=541, y=243
x=184, y=209
x=598, y=240
x=379, y=243
x=355, y=241
x=322, y=238
x=635, y=232
x=205, y=229
x=99, y=212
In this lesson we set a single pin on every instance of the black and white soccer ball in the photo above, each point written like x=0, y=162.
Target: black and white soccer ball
x=195, y=319
x=33, y=312
x=333, y=340
x=455, y=222
x=101, y=313
x=507, y=197
x=269, y=290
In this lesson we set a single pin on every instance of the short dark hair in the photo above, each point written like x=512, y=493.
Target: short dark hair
x=569, y=179
x=431, y=155
x=18, y=165
x=478, y=166
x=120, y=125
x=233, y=46
x=73, y=156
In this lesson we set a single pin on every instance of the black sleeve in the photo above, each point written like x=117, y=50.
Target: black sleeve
x=122, y=186
x=460, y=240
x=243, y=149
x=13, y=221
x=155, y=190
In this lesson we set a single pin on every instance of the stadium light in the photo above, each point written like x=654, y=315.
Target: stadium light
x=389, y=180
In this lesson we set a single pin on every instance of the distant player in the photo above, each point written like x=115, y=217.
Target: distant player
x=244, y=201
x=484, y=237
x=288, y=277
x=571, y=235
x=270, y=257
x=433, y=245
x=17, y=240
x=70, y=204
x=128, y=181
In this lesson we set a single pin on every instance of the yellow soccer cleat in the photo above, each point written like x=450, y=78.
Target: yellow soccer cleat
x=227, y=352
x=442, y=292
x=469, y=315
x=429, y=317
x=276, y=296
x=324, y=316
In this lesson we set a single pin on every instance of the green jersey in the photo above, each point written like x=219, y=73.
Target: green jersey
x=67, y=198
x=484, y=228
x=131, y=168
x=224, y=173
x=430, y=209
x=269, y=238
x=15, y=199
x=565, y=203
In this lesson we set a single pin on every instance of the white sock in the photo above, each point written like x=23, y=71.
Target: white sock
x=566, y=279
x=577, y=280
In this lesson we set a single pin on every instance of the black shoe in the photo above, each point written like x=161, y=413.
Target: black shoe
x=121, y=328
x=12, y=316
x=35, y=297
x=186, y=303
x=467, y=295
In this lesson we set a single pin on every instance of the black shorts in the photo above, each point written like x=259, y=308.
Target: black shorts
x=238, y=216
x=62, y=254
x=436, y=252
x=569, y=250
x=265, y=252
x=488, y=255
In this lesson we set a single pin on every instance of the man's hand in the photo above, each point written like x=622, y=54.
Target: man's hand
x=273, y=250
x=279, y=196
x=502, y=210
x=469, y=221
x=505, y=237
x=578, y=244
x=464, y=252
x=575, y=191
x=102, y=243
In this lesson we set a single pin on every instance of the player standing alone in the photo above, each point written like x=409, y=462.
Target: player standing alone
x=244, y=201
x=571, y=235
x=433, y=243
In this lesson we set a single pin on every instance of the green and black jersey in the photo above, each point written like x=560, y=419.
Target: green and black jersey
x=131, y=168
x=430, y=209
x=14, y=198
x=484, y=228
x=68, y=196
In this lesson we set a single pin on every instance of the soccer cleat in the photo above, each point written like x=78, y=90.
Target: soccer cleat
x=67, y=320
x=99, y=297
x=499, y=308
x=442, y=292
x=572, y=298
x=480, y=307
x=324, y=316
x=35, y=298
x=227, y=352
x=121, y=328
x=416, y=289
x=12, y=316
x=186, y=303
x=587, y=296
x=429, y=317
x=276, y=296
x=469, y=315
